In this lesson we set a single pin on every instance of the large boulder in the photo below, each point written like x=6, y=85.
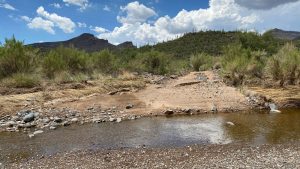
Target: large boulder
x=29, y=117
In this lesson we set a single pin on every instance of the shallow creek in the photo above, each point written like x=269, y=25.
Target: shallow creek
x=249, y=128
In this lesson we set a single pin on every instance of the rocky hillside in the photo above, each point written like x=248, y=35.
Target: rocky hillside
x=86, y=41
x=285, y=35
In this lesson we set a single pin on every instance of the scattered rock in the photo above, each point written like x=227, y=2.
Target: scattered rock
x=129, y=106
x=46, y=120
x=74, y=120
x=169, y=112
x=273, y=108
x=57, y=120
x=214, y=109
x=10, y=124
x=38, y=132
x=66, y=123
x=36, y=115
x=111, y=119
x=31, y=135
x=173, y=76
x=29, y=125
x=10, y=129
x=119, y=120
x=230, y=123
x=132, y=118
x=187, y=111
x=52, y=128
x=29, y=117
x=117, y=91
x=16, y=118
x=187, y=83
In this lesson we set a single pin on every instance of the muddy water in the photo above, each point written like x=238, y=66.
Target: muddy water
x=250, y=128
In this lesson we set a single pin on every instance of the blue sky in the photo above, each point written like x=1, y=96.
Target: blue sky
x=143, y=21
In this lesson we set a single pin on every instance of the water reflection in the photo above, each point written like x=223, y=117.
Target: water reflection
x=250, y=128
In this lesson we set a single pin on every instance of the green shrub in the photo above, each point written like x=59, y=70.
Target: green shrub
x=178, y=66
x=65, y=59
x=154, y=62
x=201, y=62
x=63, y=77
x=16, y=58
x=256, y=65
x=104, y=61
x=53, y=63
x=285, y=65
x=66, y=77
x=21, y=80
x=234, y=63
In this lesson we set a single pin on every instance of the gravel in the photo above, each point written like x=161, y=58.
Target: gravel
x=212, y=156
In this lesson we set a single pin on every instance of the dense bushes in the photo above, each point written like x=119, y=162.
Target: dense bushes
x=22, y=80
x=154, y=62
x=103, y=61
x=285, y=65
x=65, y=59
x=15, y=58
x=240, y=64
x=201, y=61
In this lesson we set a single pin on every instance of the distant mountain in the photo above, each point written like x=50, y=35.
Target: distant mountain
x=284, y=35
x=210, y=42
x=86, y=42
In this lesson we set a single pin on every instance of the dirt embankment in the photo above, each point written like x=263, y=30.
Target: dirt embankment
x=288, y=97
x=203, y=91
x=194, y=93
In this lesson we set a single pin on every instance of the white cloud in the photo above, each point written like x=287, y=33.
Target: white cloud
x=64, y=23
x=98, y=29
x=7, y=6
x=135, y=12
x=106, y=8
x=40, y=23
x=83, y=4
x=81, y=24
x=56, y=5
x=220, y=15
x=26, y=18
x=48, y=22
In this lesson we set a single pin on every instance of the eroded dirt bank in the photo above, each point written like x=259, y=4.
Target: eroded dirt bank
x=194, y=93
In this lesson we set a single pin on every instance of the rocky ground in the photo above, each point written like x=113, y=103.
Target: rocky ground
x=213, y=156
x=194, y=93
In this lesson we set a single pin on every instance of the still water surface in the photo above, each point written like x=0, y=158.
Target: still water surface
x=250, y=128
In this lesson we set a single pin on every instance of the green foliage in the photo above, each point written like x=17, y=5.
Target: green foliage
x=212, y=43
x=53, y=63
x=103, y=61
x=242, y=56
x=154, y=62
x=234, y=63
x=65, y=59
x=16, y=58
x=285, y=65
x=256, y=65
x=201, y=62
x=257, y=42
x=21, y=80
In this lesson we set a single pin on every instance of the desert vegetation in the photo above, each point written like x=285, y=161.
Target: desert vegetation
x=243, y=58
